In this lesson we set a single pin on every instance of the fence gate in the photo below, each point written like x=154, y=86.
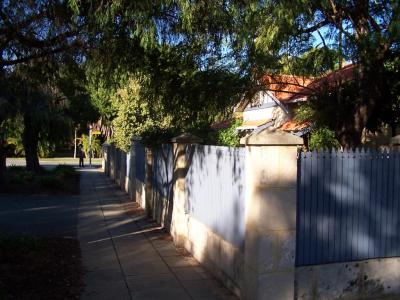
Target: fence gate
x=348, y=206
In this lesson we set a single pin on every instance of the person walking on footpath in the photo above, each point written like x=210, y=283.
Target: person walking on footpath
x=81, y=155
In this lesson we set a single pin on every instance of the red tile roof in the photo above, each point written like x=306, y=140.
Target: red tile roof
x=221, y=125
x=293, y=125
x=290, y=88
x=284, y=87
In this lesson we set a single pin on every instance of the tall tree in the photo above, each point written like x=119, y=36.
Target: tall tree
x=365, y=32
x=189, y=74
x=6, y=111
x=32, y=31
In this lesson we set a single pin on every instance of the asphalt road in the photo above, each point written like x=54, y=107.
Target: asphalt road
x=39, y=215
x=50, y=162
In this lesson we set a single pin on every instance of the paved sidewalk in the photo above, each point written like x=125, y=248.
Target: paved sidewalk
x=125, y=258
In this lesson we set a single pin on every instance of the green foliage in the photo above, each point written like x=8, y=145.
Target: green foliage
x=169, y=95
x=48, y=139
x=173, y=66
x=37, y=38
x=314, y=62
x=334, y=108
x=65, y=171
x=46, y=149
x=304, y=112
x=135, y=115
x=51, y=182
x=14, y=136
x=289, y=31
x=72, y=82
x=96, y=145
x=229, y=136
x=151, y=74
x=60, y=179
x=19, y=175
x=323, y=138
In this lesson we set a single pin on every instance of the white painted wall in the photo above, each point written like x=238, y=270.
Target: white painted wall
x=261, y=98
x=255, y=110
x=258, y=114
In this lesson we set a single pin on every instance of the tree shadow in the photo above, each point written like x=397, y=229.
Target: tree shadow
x=348, y=207
x=215, y=190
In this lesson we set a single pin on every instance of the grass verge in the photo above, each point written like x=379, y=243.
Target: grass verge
x=62, y=179
x=40, y=268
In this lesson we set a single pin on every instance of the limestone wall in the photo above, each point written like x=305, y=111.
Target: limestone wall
x=270, y=222
x=368, y=279
x=220, y=257
x=265, y=268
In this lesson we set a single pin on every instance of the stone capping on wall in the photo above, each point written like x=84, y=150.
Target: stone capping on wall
x=136, y=139
x=187, y=138
x=395, y=141
x=270, y=137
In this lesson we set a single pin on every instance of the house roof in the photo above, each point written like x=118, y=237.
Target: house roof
x=253, y=124
x=334, y=78
x=284, y=87
x=221, y=124
x=293, y=125
x=288, y=88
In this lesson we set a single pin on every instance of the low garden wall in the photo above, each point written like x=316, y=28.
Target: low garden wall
x=254, y=215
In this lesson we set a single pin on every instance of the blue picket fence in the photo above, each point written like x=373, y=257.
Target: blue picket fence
x=140, y=162
x=162, y=170
x=215, y=190
x=348, y=206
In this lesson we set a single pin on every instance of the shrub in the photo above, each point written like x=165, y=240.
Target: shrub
x=17, y=179
x=229, y=136
x=323, y=138
x=15, y=169
x=96, y=146
x=18, y=175
x=65, y=171
x=51, y=182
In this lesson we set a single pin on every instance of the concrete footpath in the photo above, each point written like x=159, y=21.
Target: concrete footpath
x=126, y=257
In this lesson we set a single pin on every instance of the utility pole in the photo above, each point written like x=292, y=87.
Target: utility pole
x=90, y=145
x=75, y=144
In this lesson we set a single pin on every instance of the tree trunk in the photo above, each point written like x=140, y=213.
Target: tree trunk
x=75, y=142
x=350, y=138
x=2, y=161
x=31, y=141
x=393, y=127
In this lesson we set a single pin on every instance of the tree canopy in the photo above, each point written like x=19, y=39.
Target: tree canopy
x=157, y=68
x=181, y=45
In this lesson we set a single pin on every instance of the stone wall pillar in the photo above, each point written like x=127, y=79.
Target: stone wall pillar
x=106, y=159
x=113, y=161
x=132, y=168
x=395, y=142
x=149, y=203
x=270, y=241
x=181, y=148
